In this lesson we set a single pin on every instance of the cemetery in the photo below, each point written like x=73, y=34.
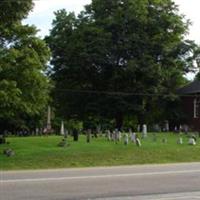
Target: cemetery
x=75, y=97
x=107, y=148
x=88, y=143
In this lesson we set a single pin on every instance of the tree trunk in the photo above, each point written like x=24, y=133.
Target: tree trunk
x=119, y=121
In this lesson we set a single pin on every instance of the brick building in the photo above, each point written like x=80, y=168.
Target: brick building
x=190, y=96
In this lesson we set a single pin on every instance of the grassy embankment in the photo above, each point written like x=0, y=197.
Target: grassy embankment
x=43, y=152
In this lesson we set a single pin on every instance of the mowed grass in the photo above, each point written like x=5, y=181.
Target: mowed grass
x=43, y=152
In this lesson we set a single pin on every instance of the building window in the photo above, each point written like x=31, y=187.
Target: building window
x=197, y=108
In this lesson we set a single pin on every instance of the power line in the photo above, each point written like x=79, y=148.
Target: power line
x=20, y=0
x=123, y=93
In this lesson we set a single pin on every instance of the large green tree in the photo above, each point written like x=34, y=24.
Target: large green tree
x=121, y=46
x=24, y=87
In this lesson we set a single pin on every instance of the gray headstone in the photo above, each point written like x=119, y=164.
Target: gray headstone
x=9, y=152
x=166, y=126
x=126, y=139
x=144, y=131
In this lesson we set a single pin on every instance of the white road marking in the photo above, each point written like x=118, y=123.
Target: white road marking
x=99, y=176
x=177, y=198
x=152, y=198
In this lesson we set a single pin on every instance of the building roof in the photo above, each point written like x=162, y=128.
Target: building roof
x=192, y=88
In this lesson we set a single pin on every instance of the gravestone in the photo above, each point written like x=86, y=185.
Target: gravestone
x=75, y=134
x=126, y=139
x=138, y=128
x=8, y=152
x=66, y=133
x=63, y=143
x=194, y=137
x=144, y=131
x=192, y=141
x=176, y=129
x=180, y=140
x=115, y=135
x=180, y=128
x=119, y=135
x=88, y=135
x=132, y=135
x=156, y=128
x=98, y=130
x=108, y=135
x=62, y=129
x=138, y=143
x=164, y=140
x=37, y=131
x=166, y=126
x=186, y=129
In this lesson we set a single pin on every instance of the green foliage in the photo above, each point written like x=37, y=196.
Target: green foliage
x=24, y=87
x=119, y=46
x=17, y=10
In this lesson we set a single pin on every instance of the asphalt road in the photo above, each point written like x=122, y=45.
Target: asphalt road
x=152, y=182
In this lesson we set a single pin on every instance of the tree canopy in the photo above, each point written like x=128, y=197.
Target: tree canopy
x=130, y=51
x=24, y=87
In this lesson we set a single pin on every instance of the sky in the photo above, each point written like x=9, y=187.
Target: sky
x=43, y=14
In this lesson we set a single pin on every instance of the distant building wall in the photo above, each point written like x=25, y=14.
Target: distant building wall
x=188, y=108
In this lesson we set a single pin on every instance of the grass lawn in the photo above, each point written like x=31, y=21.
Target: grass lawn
x=43, y=152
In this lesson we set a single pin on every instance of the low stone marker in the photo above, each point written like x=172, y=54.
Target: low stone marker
x=63, y=143
x=8, y=152
x=192, y=141
x=164, y=140
x=180, y=140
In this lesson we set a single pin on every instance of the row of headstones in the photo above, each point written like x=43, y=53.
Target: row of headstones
x=116, y=136
x=181, y=128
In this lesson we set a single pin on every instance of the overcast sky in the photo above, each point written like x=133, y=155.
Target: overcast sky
x=42, y=14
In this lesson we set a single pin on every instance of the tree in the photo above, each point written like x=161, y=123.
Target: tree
x=24, y=87
x=123, y=46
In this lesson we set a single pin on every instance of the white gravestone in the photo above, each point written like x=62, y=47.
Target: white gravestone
x=62, y=129
x=108, y=135
x=126, y=139
x=192, y=141
x=119, y=135
x=166, y=126
x=144, y=131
